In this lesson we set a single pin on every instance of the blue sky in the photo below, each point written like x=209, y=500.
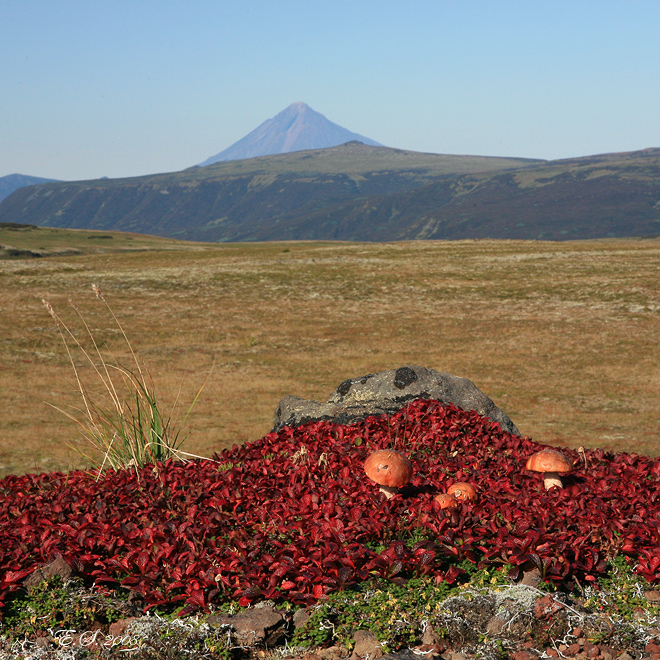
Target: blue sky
x=125, y=88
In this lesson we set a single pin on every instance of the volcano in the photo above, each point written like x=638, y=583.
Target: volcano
x=296, y=128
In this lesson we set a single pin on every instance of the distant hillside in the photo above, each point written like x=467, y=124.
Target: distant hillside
x=13, y=182
x=296, y=128
x=27, y=241
x=606, y=196
x=358, y=192
x=240, y=200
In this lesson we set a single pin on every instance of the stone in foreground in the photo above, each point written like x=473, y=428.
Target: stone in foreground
x=386, y=393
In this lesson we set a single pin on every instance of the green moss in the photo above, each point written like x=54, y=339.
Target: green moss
x=58, y=603
x=621, y=592
x=395, y=614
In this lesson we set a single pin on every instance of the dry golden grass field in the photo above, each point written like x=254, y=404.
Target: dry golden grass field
x=562, y=336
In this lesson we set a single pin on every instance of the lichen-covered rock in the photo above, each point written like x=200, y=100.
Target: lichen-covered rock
x=386, y=393
x=254, y=627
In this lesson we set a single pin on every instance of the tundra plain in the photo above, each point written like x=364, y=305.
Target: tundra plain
x=563, y=336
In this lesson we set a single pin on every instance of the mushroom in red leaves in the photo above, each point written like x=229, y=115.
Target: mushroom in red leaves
x=390, y=469
x=551, y=463
x=462, y=492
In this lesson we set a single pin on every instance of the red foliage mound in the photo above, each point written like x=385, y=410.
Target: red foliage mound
x=292, y=515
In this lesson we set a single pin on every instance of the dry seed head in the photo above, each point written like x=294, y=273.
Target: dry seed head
x=97, y=292
x=49, y=307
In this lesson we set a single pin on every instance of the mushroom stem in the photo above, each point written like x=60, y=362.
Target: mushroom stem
x=551, y=479
x=389, y=491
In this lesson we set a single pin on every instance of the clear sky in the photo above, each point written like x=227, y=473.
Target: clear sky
x=92, y=88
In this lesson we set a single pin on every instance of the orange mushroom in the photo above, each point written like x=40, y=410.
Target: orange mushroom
x=551, y=463
x=446, y=501
x=462, y=492
x=390, y=469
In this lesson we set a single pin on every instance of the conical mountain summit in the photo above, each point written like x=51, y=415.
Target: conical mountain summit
x=296, y=128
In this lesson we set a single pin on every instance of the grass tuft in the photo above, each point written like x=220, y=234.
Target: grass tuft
x=126, y=423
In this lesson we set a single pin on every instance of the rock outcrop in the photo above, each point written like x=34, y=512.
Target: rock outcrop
x=59, y=567
x=386, y=393
x=259, y=626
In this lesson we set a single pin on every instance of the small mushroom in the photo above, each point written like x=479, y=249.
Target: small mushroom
x=462, y=492
x=551, y=463
x=446, y=501
x=390, y=469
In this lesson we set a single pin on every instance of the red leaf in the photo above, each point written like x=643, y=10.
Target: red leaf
x=197, y=598
x=142, y=561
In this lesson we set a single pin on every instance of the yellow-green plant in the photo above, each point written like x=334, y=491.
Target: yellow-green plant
x=127, y=425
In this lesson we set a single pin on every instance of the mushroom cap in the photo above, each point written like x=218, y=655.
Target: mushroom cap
x=462, y=491
x=548, y=460
x=446, y=501
x=388, y=467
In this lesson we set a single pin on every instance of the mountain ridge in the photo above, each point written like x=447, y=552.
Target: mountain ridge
x=12, y=182
x=362, y=193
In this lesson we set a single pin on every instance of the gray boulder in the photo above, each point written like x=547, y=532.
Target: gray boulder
x=386, y=393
